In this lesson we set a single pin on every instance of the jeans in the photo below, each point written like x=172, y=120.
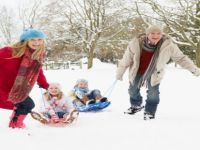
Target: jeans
x=59, y=114
x=25, y=107
x=152, y=100
x=93, y=94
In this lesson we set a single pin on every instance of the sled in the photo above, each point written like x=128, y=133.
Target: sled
x=61, y=123
x=93, y=107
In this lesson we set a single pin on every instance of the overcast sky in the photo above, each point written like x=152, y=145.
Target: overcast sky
x=10, y=3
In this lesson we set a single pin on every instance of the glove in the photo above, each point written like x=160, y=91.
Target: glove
x=119, y=77
x=196, y=72
x=40, y=86
x=79, y=94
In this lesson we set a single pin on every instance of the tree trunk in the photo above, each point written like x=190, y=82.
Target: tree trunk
x=198, y=54
x=90, y=59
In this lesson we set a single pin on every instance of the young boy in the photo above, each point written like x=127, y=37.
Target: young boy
x=81, y=95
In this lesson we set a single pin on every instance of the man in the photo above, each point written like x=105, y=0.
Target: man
x=146, y=57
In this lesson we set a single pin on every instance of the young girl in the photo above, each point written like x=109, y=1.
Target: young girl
x=81, y=95
x=56, y=106
x=21, y=67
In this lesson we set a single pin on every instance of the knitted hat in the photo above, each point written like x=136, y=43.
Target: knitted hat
x=153, y=28
x=31, y=33
x=81, y=81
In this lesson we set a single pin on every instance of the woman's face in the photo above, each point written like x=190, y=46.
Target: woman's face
x=53, y=90
x=35, y=43
x=154, y=37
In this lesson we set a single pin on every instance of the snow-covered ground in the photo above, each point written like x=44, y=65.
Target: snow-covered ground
x=176, y=127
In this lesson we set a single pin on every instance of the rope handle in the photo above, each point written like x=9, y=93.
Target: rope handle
x=42, y=97
x=110, y=89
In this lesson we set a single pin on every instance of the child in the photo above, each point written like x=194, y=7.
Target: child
x=81, y=95
x=56, y=106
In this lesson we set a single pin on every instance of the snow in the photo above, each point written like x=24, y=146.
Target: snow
x=176, y=126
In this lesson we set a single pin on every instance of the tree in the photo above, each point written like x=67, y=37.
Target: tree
x=85, y=23
x=6, y=26
x=30, y=13
x=87, y=20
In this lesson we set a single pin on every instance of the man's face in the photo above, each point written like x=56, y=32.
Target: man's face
x=154, y=37
x=35, y=43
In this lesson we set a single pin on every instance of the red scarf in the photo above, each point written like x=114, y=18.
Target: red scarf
x=26, y=77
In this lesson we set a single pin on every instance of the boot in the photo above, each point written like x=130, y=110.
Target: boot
x=16, y=121
x=85, y=100
x=148, y=116
x=20, y=123
x=13, y=120
x=100, y=98
x=134, y=109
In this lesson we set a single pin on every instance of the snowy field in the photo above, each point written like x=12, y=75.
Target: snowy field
x=176, y=127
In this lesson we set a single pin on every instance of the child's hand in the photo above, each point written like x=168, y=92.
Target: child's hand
x=54, y=98
x=79, y=95
x=56, y=103
x=64, y=107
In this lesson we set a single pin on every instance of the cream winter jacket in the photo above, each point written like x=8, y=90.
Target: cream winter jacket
x=168, y=50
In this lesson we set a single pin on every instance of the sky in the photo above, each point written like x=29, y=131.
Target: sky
x=11, y=3
x=176, y=126
x=14, y=4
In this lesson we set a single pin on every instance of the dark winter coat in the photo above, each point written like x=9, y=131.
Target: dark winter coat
x=8, y=71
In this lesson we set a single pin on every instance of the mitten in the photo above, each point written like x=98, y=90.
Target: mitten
x=196, y=72
x=119, y=77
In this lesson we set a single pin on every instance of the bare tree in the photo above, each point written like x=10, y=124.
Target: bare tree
x=87, y=21
x=6, y=25
x=29, y=13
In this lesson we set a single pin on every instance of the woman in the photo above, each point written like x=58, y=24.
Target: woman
x=21, y=67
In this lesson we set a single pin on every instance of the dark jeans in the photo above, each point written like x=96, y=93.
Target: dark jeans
x=25, y=107
x=152, y=100
x=93, y=94
x=59, y=114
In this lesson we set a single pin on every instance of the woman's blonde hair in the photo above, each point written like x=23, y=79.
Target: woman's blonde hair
x=20, y=47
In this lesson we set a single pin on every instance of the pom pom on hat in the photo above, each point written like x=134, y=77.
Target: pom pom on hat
x=153, y=28
x=31, y=33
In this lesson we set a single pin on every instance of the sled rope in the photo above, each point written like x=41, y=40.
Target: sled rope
x=110, y=89
x=42, y=98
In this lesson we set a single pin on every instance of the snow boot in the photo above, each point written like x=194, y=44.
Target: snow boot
x=100, y=98
x=148, y=116
x=85, y=100
x=134, y=109
x=16, y=121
